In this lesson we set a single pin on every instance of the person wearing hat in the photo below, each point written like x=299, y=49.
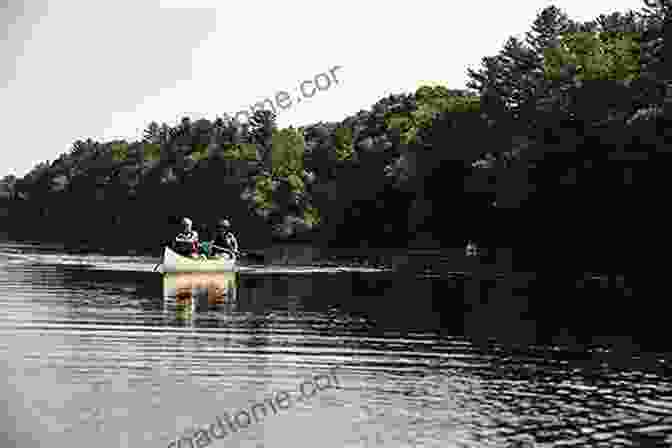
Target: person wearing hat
x=225, y=242
x=186, y=242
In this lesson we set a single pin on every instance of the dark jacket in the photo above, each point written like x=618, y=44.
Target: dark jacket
x=224, y=241
x=186, y=248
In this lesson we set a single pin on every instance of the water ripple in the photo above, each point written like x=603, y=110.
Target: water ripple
x=92, y=353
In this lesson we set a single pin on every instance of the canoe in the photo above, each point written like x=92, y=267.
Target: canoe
x=176, y=263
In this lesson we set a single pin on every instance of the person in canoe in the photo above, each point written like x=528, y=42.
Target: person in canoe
x=225, y=242
x=186, y=242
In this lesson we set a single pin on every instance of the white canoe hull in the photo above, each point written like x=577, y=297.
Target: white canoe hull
x=176, y=263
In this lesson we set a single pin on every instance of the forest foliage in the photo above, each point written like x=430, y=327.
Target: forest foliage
x=567, y=127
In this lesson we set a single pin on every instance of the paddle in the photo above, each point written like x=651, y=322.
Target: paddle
x=225, y=249
x=239, y=254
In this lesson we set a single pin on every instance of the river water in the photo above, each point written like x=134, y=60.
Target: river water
x=93, y=357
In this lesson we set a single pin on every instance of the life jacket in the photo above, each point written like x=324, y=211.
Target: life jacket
x=224, y=241
x=187, y=247
x=230, y=239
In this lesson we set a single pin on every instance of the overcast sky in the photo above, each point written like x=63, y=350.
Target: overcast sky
x=73, y=69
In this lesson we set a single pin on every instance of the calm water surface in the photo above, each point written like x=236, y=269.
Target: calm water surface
x=94, y=357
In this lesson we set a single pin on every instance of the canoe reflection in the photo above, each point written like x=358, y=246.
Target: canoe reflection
x=199, y=290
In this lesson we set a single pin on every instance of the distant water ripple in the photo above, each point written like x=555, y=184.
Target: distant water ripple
x=92, y=356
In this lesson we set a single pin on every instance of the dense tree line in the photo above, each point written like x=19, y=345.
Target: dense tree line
x=556, y=148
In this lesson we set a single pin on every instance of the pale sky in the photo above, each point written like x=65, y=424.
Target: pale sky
x=74, y=69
